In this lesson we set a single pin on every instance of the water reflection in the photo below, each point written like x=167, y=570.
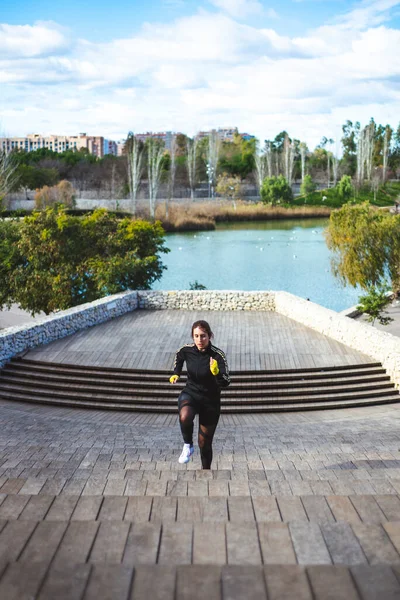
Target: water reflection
x=288, y=255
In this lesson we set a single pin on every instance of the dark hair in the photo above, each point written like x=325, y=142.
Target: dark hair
x=204, y=326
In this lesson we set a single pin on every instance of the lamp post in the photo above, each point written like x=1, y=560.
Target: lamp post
x=210, y=175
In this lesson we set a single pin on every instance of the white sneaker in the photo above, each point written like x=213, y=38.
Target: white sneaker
x=187, y=452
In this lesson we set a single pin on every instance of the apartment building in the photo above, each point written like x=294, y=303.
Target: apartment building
x=225, y=134
x=110, y=147
x=96, y=145
x=164, y=136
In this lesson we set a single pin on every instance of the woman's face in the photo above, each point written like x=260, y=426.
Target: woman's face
x=201, y=338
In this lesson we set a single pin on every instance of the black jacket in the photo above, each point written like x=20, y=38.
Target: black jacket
x=200, y=380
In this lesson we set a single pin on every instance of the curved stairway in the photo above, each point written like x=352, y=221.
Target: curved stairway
x=26, y=380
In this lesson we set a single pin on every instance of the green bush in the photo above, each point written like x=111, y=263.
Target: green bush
x=52, y=261
x=345, y=188
x=276, y=189
x=308, y=186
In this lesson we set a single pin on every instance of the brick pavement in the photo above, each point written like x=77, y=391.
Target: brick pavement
x=148, y=339
x=300, y=505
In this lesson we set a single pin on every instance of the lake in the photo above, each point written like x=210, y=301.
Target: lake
x=288, y=255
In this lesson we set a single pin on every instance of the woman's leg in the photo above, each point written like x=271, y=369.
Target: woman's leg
x=208, y=421
x=206, y=434
x=187, y=413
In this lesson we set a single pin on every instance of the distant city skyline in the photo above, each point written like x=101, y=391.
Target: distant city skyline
x=183, y=65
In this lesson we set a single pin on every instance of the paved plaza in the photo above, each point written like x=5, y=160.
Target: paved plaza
x=95, y=505
x=298, y=505
x=148, y=339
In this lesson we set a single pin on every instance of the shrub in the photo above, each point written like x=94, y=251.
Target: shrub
x=63, y=193
x=345, y=187
x=308, y=186
x=276, y=189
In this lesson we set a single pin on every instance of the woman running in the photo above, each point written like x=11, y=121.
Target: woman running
x=207, y=373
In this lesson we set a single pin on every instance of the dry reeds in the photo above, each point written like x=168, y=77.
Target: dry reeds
x=196, y=216
x=62, y=193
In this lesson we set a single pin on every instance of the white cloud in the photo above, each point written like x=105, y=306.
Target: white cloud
x=368, y=13
x=42, y=38
x=205, y=70
x=239, y=8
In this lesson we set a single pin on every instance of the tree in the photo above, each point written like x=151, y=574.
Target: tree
x=172, y=173
x=8, y=177
x=191, y=153
x=308, y=186
x=366, y=246
x=229, y=187
x=374, y=302
x=349, y=143
x=52, y=261
x=394, y=156
x=214, y=145
x=289, y=153
x=237, y=157
x=276, y=189
x=365, y=152
x=345, y=188
x=261, y=162
x=303, y=153
x=134, y=152
x=195, y=285
x=33, y=178
x=10, y=258
x=155, y=154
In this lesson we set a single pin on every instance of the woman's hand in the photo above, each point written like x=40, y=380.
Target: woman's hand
x=214, y=366
x=173, y=379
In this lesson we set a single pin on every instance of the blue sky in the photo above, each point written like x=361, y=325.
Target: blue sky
x=106, y=68
x=121, y=18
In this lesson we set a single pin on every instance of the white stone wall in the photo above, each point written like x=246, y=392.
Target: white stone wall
x=206, y=300
x=14, y=340
x=381, y=346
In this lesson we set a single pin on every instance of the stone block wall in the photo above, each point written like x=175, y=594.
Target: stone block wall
x=207, y=300
x=14, y=340
x=381, y=346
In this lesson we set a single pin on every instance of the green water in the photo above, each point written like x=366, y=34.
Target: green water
x=288, y=255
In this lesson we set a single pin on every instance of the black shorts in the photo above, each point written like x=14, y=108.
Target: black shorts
x=208, y=410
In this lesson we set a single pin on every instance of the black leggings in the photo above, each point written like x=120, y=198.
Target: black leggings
x=208, y=420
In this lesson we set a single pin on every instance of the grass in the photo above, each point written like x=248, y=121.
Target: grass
x=204, y=216
x=384, y=196
x=197, y=216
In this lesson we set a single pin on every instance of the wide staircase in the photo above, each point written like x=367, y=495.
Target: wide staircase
x=363, y=384
x=94, y=505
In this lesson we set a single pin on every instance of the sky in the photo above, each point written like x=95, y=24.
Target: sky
x=106, y=68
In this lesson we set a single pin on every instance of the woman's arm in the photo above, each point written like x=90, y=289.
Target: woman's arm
x=222, y=376
x=178, y=362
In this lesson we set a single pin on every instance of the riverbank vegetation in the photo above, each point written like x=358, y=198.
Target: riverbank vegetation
x=52, y=261
x=382, y=195
x=201, y=167
x=205, y=215
x=365, y=243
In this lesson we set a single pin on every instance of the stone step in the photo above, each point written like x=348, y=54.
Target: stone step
x=366, y=368
x=240, y=378
x=195, y=502
x=140, y=404
x=131, y=580
x=98, y=384
x=166, y=391
x=114, y=389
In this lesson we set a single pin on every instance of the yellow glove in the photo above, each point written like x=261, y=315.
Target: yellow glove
x=214, y=366
x=173, y=378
